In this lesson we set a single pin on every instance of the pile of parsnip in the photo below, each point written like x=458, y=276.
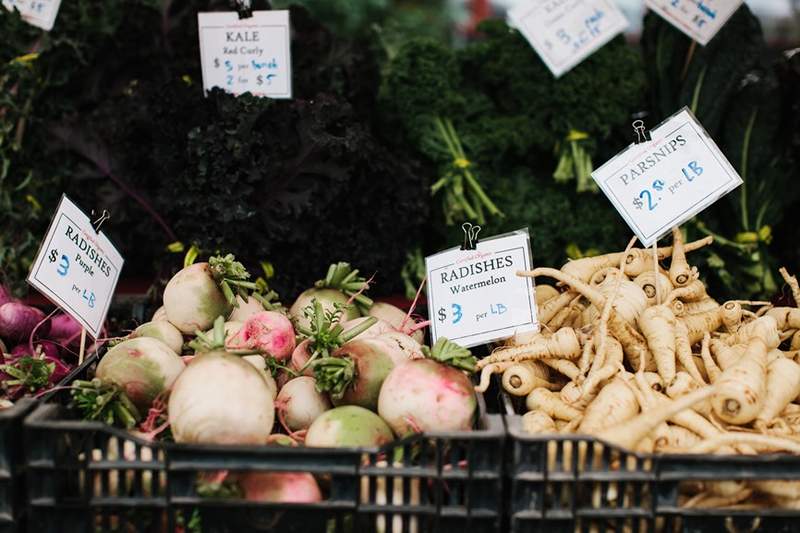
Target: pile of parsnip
x=634, y=351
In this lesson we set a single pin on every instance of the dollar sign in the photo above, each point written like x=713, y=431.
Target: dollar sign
x=637, y=202
x=53, y=255
x=216, y=62
x=442, y=314
x=259, y=79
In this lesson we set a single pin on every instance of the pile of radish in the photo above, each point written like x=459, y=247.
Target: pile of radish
x=37, y=351
x=634, y=351
x=218, y=364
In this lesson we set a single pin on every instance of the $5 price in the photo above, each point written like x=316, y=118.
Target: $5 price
x=456, y=311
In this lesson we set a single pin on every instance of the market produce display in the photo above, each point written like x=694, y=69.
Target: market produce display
x=324, y=373
x=37, y=350
x=642, y=357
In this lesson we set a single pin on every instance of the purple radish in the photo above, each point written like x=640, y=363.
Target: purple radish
x=65, y=329
x=17, y=321
x=348, y=426
x=5, y=295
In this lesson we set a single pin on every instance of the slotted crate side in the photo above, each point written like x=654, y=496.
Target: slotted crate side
x=570, y=482
x=86, y=476
x=12, y=497
x=436, y=482
x=334, y=471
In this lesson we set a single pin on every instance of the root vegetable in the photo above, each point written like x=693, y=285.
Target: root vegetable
x=65, y=330
x=683, y=352
x=679, y=271
x=701, y=306
x=695, y=291
x=638, y=260
x=399, y=346
x=782, y=387
x=726, y=356
x=536, y=422
x=549, y=402
x=658, y=326
x=329, y=298
x=628, y=434
x=260, y=364
x=544, y=293
x=550, y=308
x=279, y=487
x=397, y=319
x=424, y=395
x=648, y=280
x=521, y=378
x=193, y=298
x=163, y=331
x=340, y=285
x=614, y=403
x=731, y=314
x=563, y=343
x=348, y=426
x=220, y=399
x=245, y=308
x=143, y=368
x=355, y=373
x=299, y=403
x=741, y=389
x=764, y=328
x=268, y=332
x=160, y=314
x=17, y=321
x=785, y=317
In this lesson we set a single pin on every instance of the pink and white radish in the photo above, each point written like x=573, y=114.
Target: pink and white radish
x=348, y=426
x=160, y=314
x=163, y=331
x=429, y=395
x=299, y=403
x=245, y=308
x=279, y=487
x=398, y=319
x=268, y=332
x=142, y=368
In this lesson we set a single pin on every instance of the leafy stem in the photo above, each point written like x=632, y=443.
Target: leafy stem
x=334, y=375
x=105, y=402
x=32, y=373
x=343, y=277
x=231, y=276
x=450, y=353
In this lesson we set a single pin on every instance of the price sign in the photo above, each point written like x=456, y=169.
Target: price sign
x=664, y=182
x=699, y=19
x=565, y=32
x=39, y=13
x=76, y=267
x=246, y=55
x=475, y=296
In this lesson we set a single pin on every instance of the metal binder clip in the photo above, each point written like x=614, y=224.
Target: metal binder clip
x=243, y=8
x=470, y=235
x=642, y=135
x=99, y=222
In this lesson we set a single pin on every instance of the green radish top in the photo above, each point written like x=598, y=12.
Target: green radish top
x=449, y=353
x=29, y=372
x=231, y=276
x=341, y=276
x=333, y=374
x=106, y=402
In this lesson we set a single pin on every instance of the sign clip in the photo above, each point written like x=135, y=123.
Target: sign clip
x=99, y=222
x=243, y=8
x=470, y=235
x=642, y=135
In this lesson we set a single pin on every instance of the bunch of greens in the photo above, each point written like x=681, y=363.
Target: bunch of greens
x=499, y=113
x=733, y=89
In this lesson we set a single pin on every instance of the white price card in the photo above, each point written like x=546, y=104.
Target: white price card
x=76, y=267
x=39, y=13
x=565, y=32
x=246, y=55
x=699, y=19
x=663, y=183
x=475, y=296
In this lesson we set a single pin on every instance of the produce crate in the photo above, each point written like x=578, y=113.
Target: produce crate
x=79, y=481
x=12, y=457
x=577, y=483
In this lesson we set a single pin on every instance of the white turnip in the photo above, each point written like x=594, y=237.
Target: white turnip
x=193, y=300
x=348, y=426
x=142, y=368
x=245, y=308
x=160, y=314
x=398, y=319
x=163, y=331
x=342, y=286
x=260, y=364
x=328, y=298
x=221, y=399
x=299, y=403
x=427, y=395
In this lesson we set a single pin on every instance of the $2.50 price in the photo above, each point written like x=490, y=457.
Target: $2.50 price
x=647, y=197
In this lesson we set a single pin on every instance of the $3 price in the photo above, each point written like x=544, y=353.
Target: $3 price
x=456, y=311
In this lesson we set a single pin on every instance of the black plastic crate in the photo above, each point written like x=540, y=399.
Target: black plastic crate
x=12, y=454
x=87, y=476
x=570, y=483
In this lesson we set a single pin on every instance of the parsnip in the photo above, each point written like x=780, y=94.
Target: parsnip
x=741, y=389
